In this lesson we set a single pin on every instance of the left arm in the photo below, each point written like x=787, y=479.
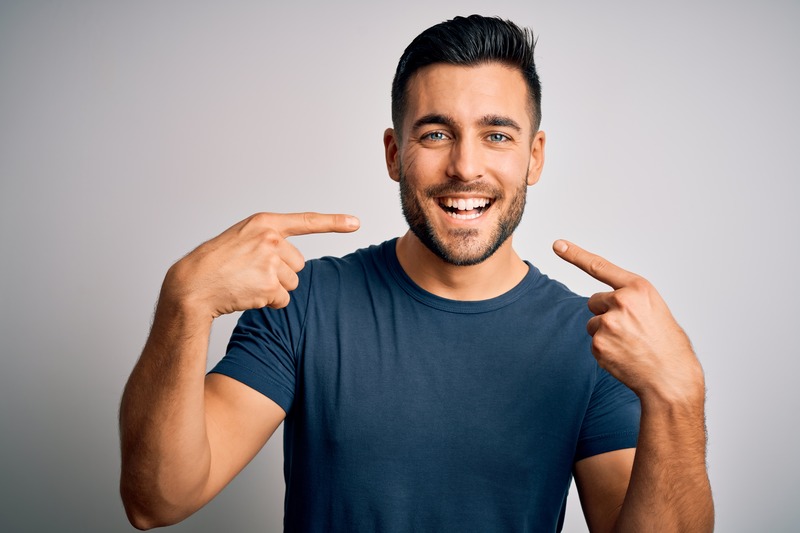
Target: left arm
x=636, y=339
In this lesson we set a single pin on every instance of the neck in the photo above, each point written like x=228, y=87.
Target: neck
x=495, y=276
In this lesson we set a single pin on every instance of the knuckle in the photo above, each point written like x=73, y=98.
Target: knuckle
x=255, y=225
x=298, y=264
x=280, y=300
x=270, y=237
x=640, y=284
x=616, y=298
x=293, y=282
x=624, y=301
x=597, y=265
x=609, y=323
x=597, y=349
x=599, y=345
x=272, y=286
x=268, y=287
x=311, y=220
x=259, y=220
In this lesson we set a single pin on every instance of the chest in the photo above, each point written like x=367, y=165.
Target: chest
x=467, y=389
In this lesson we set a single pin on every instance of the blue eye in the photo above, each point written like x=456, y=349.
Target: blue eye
x=434, y=136
x=498, y=137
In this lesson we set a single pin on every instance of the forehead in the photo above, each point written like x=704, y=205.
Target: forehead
x=468, y=93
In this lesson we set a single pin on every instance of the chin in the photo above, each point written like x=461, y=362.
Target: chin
x=462, y=248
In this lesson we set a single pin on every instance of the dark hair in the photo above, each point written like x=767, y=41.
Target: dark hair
x=469, y=41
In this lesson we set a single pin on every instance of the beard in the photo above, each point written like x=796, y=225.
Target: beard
x=463, y=247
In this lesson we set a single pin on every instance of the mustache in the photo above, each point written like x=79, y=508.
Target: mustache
x=448, y=189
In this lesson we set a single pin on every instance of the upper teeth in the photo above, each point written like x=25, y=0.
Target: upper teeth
x=465, y=204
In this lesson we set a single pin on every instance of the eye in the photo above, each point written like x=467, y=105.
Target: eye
x=434, y=136
x=498, y=137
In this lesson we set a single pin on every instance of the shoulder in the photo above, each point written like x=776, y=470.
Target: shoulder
x=327, y=280
x=325, y=285
x=360, y=264
x=555, y=299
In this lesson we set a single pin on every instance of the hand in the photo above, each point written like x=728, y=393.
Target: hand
x=249, y=266
x=634, y=336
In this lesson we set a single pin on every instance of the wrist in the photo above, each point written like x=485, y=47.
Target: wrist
x=685, y=397
x=178, y=303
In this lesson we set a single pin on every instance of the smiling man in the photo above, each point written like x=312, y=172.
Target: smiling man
x=464, y=152
x=434, y=382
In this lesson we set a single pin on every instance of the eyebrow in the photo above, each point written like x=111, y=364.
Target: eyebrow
x=433, y=118
x=446, y=120
x=500, y=121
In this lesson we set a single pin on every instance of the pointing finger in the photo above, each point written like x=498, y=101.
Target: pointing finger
x=291, y=224
x=594, y=265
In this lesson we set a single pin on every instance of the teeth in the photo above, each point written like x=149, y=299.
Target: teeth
x=459, y=216
x=465, y=204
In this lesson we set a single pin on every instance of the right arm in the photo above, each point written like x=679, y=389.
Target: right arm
x=185, y=435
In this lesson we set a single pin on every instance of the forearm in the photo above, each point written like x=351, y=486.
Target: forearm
x=669, y=488
x=165, y=449
x=167, y=442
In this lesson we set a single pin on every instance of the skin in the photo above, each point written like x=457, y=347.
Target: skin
x=467, y=134
x=185, y=435
x=447, y=147
x=636, y=339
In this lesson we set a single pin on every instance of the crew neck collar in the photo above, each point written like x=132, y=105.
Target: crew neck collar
x=389, y=253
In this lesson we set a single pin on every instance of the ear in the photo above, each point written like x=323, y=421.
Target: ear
x=536, y=162
x=392, y=150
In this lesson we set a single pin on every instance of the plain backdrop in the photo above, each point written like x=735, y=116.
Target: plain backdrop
x=130, y=132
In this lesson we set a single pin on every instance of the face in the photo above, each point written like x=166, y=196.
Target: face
x=464, y=158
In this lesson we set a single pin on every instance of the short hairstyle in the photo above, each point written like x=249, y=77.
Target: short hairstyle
x=469, y=41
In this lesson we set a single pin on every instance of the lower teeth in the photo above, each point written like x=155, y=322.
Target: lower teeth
x=464, y=216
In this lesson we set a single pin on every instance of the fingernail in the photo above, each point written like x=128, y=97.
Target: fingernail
x=560, y=246
x=352, y=222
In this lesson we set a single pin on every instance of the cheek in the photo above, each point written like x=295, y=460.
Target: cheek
x=425, y=163
x=511, y=168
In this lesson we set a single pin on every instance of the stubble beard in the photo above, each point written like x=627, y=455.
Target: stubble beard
x=465, y=248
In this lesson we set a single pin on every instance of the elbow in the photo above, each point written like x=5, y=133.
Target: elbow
x=139, y=517
x=140, y=522
x=156, y=497
x=144, y=514
x=144, y=518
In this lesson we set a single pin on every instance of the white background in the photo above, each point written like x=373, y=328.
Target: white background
x=132, y=131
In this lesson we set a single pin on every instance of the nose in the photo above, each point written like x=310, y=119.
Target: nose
x=465, y=161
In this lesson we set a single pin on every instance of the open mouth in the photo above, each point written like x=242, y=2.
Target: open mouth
x=464, y=208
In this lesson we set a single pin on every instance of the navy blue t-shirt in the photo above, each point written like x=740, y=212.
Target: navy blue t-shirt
x=411, y=412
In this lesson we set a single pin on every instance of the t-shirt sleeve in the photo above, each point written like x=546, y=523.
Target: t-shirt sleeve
x=612, y=418
x=262, y=351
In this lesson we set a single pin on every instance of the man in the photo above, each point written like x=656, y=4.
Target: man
x=435, y=382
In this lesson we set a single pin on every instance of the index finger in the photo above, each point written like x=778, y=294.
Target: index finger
x=291, y=224
x=594, y=265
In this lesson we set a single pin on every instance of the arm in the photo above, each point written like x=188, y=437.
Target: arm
x=636, y=339
x=183, y=435
x=602, y=481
